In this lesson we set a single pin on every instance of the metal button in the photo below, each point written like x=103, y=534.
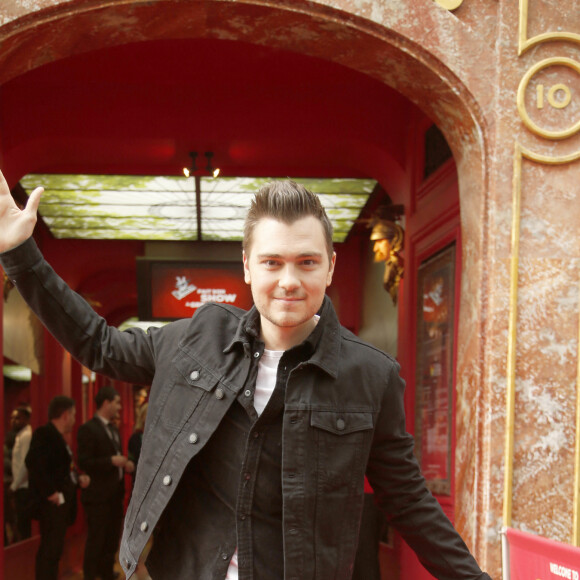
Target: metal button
x=219, y=393
x=224, y=556
x=248, y=393
x=144, y=526
x=167, y=480
x=194, y=375
x=193, y=438
x=340, y=424
x=256, y=355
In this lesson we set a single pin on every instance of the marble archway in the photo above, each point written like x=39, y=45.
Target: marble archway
x=417, y=48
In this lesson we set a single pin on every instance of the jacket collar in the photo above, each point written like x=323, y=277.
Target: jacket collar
x=322, y=345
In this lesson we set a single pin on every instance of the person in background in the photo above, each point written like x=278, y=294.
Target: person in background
x=21, y=424
x=53, y=480
x=140, y=399
x=100, y=455
x=9, y=507
x=136, y=440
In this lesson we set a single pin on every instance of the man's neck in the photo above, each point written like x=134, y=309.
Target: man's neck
x=284, y=338
x=59, y=426
x=102, y=416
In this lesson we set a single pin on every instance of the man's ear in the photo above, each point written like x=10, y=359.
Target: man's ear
x=331, y=269
x=245, y=259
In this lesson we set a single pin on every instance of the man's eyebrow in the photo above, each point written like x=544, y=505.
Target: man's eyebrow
x=312, y=254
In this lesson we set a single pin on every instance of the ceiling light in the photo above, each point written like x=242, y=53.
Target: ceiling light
x=210, y=169
x=187, y=171
x=17, y=372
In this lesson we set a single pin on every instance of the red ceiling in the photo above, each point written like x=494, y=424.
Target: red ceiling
x=140, y=108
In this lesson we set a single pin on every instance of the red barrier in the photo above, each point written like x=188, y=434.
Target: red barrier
x=531, y=557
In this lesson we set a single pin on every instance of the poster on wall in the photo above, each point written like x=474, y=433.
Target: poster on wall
x=434, y=370
x=169, y=290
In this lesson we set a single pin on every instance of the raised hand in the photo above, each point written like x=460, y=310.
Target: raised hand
x=16, y=225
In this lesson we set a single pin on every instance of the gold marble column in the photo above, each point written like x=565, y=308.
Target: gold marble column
x=542, y=443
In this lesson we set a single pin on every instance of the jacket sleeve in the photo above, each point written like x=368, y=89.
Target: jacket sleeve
x=402, y=494
x=126, y=356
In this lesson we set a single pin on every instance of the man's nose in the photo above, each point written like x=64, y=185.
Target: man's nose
x=289, y=278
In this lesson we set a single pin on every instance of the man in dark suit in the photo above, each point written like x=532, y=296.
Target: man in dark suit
x=99, y=450
x=53, y=480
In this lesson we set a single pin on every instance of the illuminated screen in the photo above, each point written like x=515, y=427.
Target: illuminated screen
x=169, y=290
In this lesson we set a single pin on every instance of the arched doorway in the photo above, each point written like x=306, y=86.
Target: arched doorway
x=382, y=60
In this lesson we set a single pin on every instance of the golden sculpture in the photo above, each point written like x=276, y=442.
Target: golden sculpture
x=389, y=239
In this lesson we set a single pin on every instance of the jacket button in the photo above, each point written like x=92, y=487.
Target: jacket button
x=193, y=438
x=194, y=375
x=167, y=480
x=248, y=393
x=340, y=424
x=256, y=355
x=219, y=393
x=144, y=526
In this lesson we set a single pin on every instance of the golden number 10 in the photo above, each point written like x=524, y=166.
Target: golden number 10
x=556, y=103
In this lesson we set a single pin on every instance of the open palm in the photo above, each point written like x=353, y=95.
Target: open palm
x=16, y=225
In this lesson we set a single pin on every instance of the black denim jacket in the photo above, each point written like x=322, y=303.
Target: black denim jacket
x=343, y=417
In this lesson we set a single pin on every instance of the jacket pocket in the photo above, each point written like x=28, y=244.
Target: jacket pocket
x=341, y=423
x=342, y=440
x=191, y=382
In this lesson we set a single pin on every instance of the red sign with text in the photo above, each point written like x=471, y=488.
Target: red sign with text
x=177, y=291
x=532, y=557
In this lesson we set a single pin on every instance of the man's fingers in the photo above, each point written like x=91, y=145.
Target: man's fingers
x=3, y=185
x=34, y=200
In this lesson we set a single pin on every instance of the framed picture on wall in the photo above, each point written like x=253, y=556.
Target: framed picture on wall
x=434, y=370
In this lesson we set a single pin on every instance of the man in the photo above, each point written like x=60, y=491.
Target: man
x=53, y=481
x=20, y=420
x=261, y=424
x=99, y=450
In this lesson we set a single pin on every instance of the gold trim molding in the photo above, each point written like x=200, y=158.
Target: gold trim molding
x=521, y=153
x=533, y=127
x=525, y=43
x=512, y=340
x=576, y=520
x=449, y=4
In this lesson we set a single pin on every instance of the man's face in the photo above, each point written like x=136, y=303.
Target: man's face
x=382, y=250
x=288, y=269
x=70, y=417
x=15, y=421
x=112, y=408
